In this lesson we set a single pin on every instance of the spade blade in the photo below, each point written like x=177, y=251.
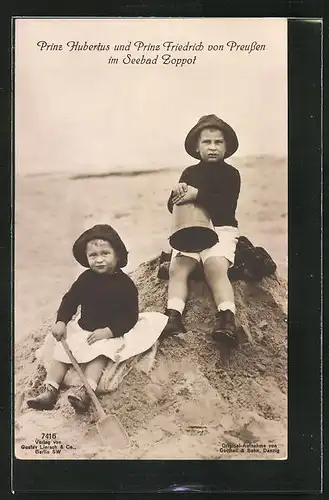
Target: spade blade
x=112, y=432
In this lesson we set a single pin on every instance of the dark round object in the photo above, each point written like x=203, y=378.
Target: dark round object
x=193, y=239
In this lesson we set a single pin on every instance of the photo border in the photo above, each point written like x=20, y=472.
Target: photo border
x=302, y=471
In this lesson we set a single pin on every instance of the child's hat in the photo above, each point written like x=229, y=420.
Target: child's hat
x=100, y=232
x=211, y=121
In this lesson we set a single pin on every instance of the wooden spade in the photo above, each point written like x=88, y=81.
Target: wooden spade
x=109, y=427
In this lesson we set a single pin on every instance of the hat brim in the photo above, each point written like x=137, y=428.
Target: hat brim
x=100, y=232
x=192, y=137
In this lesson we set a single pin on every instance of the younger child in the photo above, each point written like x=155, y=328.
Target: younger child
x=109, y=309
x=214, y=185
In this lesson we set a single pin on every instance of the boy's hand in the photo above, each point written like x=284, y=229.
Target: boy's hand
x=59, y=330
x=178, y=192
x=190, y=195
x=101, y=333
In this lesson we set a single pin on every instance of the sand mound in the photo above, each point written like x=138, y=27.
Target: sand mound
x=193, y=401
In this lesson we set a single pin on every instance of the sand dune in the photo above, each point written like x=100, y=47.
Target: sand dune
x=195, y=401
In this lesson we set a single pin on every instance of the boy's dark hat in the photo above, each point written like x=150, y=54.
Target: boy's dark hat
x=100, y=232
x=211, y=121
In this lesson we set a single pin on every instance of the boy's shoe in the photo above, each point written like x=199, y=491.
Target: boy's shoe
x=46, y=400
x=225, y=329
x=174, y=325
x=80, y=400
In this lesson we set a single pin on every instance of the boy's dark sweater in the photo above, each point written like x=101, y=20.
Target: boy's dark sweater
x=106, y=301
x=218, y=185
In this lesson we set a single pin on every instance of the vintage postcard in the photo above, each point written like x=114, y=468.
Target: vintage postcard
x=150, y=238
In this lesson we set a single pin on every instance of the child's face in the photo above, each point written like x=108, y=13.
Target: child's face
x=101, y=256
x=211, y=145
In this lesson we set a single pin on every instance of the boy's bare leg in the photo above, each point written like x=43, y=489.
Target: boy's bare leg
x=94, y=370
x=80, y=399
x=215, y=270
x=180, y=268
x=56, y=373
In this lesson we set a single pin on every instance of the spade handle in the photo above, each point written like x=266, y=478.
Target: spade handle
x=100, y=411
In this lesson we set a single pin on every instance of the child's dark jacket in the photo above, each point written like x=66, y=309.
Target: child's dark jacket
x=218, y=187
x=106, y=301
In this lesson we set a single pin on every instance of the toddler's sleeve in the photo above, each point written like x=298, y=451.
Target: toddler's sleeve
x=126, y=315
x=70, y=302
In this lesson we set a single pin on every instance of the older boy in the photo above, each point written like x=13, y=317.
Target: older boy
x=214, y=185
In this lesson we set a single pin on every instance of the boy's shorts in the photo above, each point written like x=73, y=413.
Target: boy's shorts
x=225, y=247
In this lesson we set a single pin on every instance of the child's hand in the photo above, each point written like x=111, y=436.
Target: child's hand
x=178, y=192
x=190, y=195
x=59, y=330
x=101, y=333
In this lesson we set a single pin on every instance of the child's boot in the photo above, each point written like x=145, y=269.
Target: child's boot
x=80, y=400
x=174, y=325
x=46, y=400
x=225, y=329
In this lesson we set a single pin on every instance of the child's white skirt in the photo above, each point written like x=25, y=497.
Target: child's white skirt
x=139, y=339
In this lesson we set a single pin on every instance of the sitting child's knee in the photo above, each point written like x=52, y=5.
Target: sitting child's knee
x=181, y=267
x=175, y=269
x=218, y=265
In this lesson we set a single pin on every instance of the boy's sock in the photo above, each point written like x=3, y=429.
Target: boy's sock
x=177, y=304
x=52, y=383
x=224, y=306
x=92, y=384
